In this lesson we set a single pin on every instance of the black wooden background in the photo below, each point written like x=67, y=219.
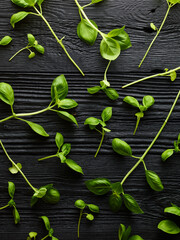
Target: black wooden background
x=31, y=80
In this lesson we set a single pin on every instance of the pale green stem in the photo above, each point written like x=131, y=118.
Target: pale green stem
x=135, y=157
x=45, y=237
x=22, y=49
x=4, y=207
x=152, y=76
x=103, y=133
x=79, y=222
x=98, y=131
x=55, y=155
x=19, y=170
x=137, y=124
x=5, y=119
x=58, y=40
x=105, y=73
x=152, y=143
x=87, y=5
x=169, y=7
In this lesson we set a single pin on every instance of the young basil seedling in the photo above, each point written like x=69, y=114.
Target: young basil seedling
x=11, y=203
x=48, y=228
x=169, y=152
x=94, y=122
x=59, y=91
x=169, y=226
x=32, y=43
x=147, y=102
x=63, y=150
x=47, y=193
x=124, y=233
x=35, y=4
x=5, y=40
x=170, y=4
x=80, y=204
x=32, y=236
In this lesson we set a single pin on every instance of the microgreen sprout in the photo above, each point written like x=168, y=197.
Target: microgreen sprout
x=32, y=43
x=11, y=203
x=47, y=193
x=94, y=122
x=124, y=233
x=62, y=152
x=169, y=226
x=101, y=186
x=170, y=4
x=5, y=40
x=169, y=152
x=147, y=102
x=36, y=5
x=80, y=204
x=59, y=91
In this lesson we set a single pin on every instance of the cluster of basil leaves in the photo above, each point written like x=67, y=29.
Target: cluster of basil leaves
x=124, y=233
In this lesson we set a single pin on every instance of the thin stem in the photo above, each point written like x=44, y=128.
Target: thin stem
x=135, y=157
x=4, y=207
x=87, y=5
x=22, y=49
x=79, y=222
x=169, y=7
x=144, y=165
x=152, y=76
x=55, y=155
x=98, y=131
x=152, y=143
x=19, y=170
x=103, y=133
x=45, y=237
x=58, y=40
x=105, y=73
x=137, y=124
x=5, y=119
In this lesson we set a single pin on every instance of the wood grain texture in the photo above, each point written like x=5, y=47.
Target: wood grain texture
x=31, y=81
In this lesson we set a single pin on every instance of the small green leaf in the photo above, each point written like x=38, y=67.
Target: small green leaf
x=80, y=204
x=167, y=154
x=39, y=49
x=131, y=204
x=17, y=17
x=154, y=181
x=32, y=235
x=148, y=101
x=68, y=103
x=67, y=117
x=14, y=170
x=106, y=114
x=31, y=39
x=135, y=237
x=106, y=129
x=96, y=1
x=5, y=40
x=37, y=128
x=168, y=226
x=111, y=93
x=21, y=3
x=127, y=233
x=90, y=217
x=40, y=193
x=39, y=2
x=46, y=222
x=11, y=189
x=99, y=186
x=117, y=188
x=91, y=121
x=74, y=166
x=93, y=90
x=31, y=3
x=173, y=76
x=121, y=147
x=175, y=210
x=153, y=27
x=16, y=215
x=66, y=148
x=109, y=48
x=33, y=200
x=93, y=208
x=59, y=139
x=31, y=55
x=62, y=157
x=115, y=202
x=6, y=93
x=59, y=88
x=132, y=101
x=121, y=231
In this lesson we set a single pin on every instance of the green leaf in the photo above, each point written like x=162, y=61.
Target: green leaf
x=115, y=202
x=99, y=186
x=74, y=166
x=96, y=1
x=21, y=3
x=153, y=27
x=106, y=114
x=173, y=76
x=135, y=237
x=32, y=235
x=132, y=101
x=31, y=39
x=121, y=147
x=17, y=17
x=37, y=128
x=33, y=200
x=14, y=170
x=6, y=93
x=93, y=208
x=121, y=231
x=11, y=189
x=173, y=210
x=31, y=3
x=31, y=55
x=39, y=2
x=67, y=117
x=39, y=49
x=86, y=32
x=121, y=36
x=91, y=121
x=109, y=48
x=40, y=193
x=111, y=93
x=46, y=222
x=80, y=204
x=117, y=188
x=148, y=101
x=66, y=148
x=52, y=195
x=90, y=217
x=59, y=88
x=174, y=1
x=168, y=226
x=131, y=204
x=127, y=233
x=5, y=40
x=62, y=157
x=106, y=129
x=154, y=181
x=68, y=103
x=59, y=139
x=16, y=215
x=11, y=203
x=167, y=154
x=54, y=238
x=93, y=90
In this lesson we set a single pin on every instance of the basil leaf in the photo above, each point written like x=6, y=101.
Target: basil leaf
x=17, y=17
x=74, y=166
x=31, y=55
x=121, y=147
x=86, y=32
x=168, y=226
x=99, y=186
x=6, y=93
x=59, y=88
x=33, y=200
x=154, y=181
x=46, y=222
x=67, y=117
x=21, y=3
x=59, y=139
x=115, y=202
x=39, y=49
x=37, y=128
x=52, y=195
x=132, y=101
x=39, y=2
x=90, y=217
x=135, y=237
x=166, y=154
x=117, y=188
x=68, y=103
x=5, y=40
x=16, y=215
x=14, y=170
x=11, y=189
x=106, y=114
x=173, y=210
x=40, y=193
x=121, y=231
x=80, y=204
x=131, y=204
x=93, y=208
x=173, y=76
x=32, y=235
x=94, y=90
x=127, y=233
x=31, y=3
x=148, y=101
x=91, y=121
x=111, y=93
x=31, y=39
x=96, y=1
x=66, y=148
x=109, y=48
x=54, y=238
